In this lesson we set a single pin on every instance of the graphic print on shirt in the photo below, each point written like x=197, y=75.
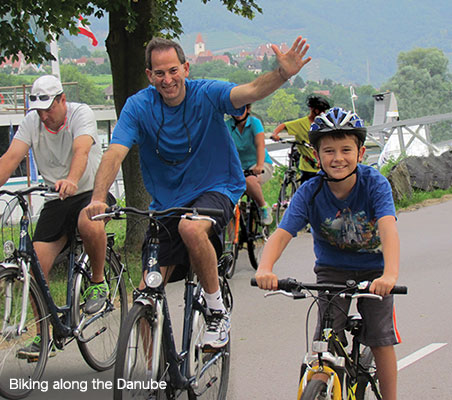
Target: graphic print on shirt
x=352, y=231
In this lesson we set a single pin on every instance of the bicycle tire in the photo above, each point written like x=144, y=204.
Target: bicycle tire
x=364, y=389
x=287, y=191
x=257, y=236
x=216, y=378
x=12, y=364
x=133, y=358
x=314, y=390
x=100, y=352
x=231, y=246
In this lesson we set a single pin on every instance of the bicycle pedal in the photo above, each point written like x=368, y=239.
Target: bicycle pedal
x=210, y=350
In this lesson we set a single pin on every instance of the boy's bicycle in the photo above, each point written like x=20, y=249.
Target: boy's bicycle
x=333, y=372
x=148, y=365
x=245, y=228
x=27, y=307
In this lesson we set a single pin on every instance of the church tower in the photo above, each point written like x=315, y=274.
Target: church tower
x=199, y=45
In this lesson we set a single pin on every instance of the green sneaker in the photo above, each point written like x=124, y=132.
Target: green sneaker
x=95, y=297
x=31, y=351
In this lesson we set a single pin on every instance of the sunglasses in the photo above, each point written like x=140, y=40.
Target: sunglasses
x=42, y=97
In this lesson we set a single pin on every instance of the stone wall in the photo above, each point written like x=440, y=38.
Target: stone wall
x=425, y=173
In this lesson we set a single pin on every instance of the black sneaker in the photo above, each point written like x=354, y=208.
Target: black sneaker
x=31, y=351
x=95, y=297
x=217, y=329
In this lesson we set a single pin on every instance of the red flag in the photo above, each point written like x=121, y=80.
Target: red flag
x=84, y=30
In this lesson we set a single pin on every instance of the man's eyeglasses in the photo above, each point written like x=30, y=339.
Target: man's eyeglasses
x=42, y=97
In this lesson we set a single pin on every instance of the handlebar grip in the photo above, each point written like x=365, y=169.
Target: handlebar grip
x=110, y=209
x=253, y=282
x=399, y=290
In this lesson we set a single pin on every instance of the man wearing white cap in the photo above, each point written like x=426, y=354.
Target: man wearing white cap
x=64, y=141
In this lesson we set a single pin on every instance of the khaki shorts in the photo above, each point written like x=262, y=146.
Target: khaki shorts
x=267, y=174
x=379, y=322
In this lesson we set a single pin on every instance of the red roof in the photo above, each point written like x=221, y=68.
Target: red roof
x=199, y=39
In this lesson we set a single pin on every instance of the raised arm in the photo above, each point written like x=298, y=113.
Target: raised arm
x=80, y=150
x=277, y=130
x=11, y=159
x=290, y=63
x=105, y=176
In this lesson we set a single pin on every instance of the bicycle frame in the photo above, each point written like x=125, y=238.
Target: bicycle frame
x=332, y=357
x=178, y=363
x=29, y=261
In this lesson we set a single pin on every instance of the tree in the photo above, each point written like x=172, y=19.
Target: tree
x=421, y=84
x=283, y=107
x=131, y=25
x=298, y=82
x=85, y=89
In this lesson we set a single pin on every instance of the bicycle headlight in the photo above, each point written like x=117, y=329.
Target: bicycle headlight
x=8, y=248
x=153, y=279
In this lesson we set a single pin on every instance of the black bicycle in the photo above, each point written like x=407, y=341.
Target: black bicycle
x=148, y=365
x=27, y=308
x=246, y=228
x=292, y=178
x=332, y=371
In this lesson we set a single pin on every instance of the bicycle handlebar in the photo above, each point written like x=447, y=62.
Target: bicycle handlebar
x=290, y=285
x=115, y=212
x=290, y=141
x=31, y=189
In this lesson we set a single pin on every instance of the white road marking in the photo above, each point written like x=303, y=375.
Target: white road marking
x=417, y=355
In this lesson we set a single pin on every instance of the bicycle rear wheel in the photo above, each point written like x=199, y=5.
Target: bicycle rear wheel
x=99, y=349
x=364, y=390
x=315, y=390
x=134, y=359
x=210, y=367
x=15, y=365
x=288, y=189
x=257, y=236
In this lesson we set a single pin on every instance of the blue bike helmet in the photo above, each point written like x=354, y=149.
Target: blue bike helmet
x=337, y=121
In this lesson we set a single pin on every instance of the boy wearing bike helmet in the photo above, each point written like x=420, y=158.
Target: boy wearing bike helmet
x=299, y=128
x=354, y=230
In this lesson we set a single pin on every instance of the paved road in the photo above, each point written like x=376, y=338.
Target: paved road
x=268, y=337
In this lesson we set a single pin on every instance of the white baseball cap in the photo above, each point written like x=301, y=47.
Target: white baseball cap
x=44, y=91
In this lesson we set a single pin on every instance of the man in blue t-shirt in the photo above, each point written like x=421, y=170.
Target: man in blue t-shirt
x=353, y=223
x=188, y=158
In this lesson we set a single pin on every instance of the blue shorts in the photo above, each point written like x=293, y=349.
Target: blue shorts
x=379, y=322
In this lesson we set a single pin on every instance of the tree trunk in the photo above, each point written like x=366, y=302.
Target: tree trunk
x=126, y=53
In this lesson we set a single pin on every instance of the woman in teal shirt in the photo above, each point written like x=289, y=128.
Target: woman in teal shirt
x=248, y=135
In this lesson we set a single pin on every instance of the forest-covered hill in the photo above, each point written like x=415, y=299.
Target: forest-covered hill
x=351, y=40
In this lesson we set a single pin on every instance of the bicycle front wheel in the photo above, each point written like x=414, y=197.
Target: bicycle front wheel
x=210, y=367
x=364, y=390
x=98, y=333
x=134, y=377
x=257, y=236
x=315, y=390
x=19, y=360
x=288, y=189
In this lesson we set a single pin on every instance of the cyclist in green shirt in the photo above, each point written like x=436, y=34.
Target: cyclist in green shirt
x=300, y=128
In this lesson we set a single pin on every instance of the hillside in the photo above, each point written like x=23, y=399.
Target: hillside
x=351, y=41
